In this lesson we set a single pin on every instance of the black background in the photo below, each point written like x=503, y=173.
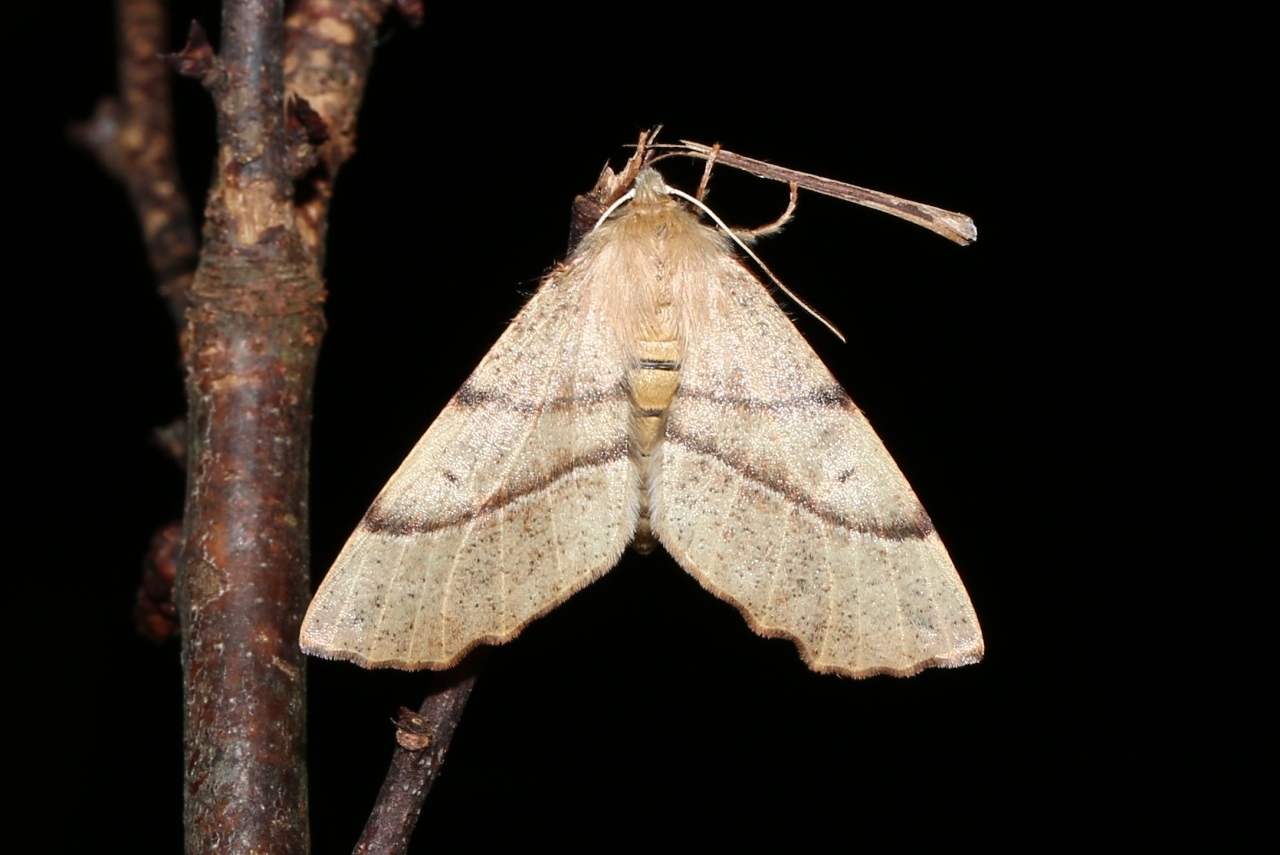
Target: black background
x=1063, y=395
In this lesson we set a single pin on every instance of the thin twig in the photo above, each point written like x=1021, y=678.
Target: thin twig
x=330, y=49
x=132, y=137
x=423, y=738
x=951, y=225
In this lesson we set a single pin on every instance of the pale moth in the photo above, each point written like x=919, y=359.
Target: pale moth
x=652, y=392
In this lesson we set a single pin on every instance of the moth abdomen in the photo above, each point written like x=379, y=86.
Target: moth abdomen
x=652, y=382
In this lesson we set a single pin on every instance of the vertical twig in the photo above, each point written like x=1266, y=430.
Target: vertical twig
x=423, y=739
x=254, y=329
x=132, y=137
x=254, y=325
x=330, y=49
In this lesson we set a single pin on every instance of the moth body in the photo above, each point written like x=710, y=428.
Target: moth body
x=658, y=249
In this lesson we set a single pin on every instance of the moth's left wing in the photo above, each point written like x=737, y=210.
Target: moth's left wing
x=521, y=492
x=777, y=496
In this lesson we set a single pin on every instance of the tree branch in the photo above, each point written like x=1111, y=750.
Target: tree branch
x=422, y=740
x=330, y=49
x=132, y=137
x=254, y=326
x=254, y=330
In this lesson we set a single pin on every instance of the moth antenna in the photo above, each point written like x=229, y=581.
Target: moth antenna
x=776, y=281
x=776, y=225
x=626, y=197
x=710, y=156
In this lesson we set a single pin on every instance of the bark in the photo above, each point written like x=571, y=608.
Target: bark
x=132, y=137
x=252, y=329
x=254, y=325
x=329, y=46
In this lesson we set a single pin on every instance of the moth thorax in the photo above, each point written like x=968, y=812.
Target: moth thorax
x=650, y=187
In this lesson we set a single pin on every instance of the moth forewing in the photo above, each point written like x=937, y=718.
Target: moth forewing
x=651, y=391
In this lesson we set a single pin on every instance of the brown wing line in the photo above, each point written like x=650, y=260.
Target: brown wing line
x=380, y=521
x=917, y=527
x=470, y=397
x=832, y=396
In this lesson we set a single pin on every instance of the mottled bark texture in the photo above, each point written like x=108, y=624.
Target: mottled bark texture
x=422, y=740
x=254, y=325
x=253, y=332
x=329, y=49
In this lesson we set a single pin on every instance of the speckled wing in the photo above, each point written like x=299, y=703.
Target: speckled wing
x=778, y=497
x=519, y=494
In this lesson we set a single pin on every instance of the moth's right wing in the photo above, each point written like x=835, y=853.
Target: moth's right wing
x=520, y=493
x=778, y=497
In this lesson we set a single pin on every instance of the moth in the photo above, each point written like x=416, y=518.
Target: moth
x=652, y=392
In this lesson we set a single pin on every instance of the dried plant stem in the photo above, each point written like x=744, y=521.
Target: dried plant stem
x=951, y=225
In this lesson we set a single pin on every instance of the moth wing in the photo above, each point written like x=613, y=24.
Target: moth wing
x=778, y=497
x=520, y=493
